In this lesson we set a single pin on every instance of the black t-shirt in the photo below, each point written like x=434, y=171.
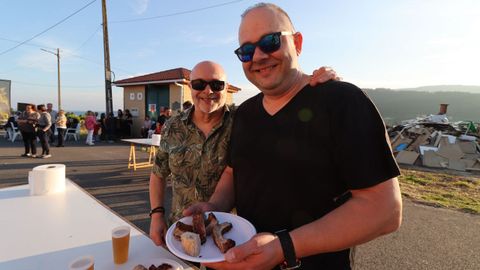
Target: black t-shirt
x=162, y=119
x=296, y=166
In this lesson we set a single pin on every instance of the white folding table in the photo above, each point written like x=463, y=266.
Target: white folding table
x=132, y=159
x=49, y=231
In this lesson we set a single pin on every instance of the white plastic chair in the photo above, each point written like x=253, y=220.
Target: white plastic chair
x=8, y=130
x=14, y=132
x=74, y=132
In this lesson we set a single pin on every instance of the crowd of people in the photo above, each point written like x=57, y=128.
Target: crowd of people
x=150, y=126
x=40, y=123
x=47, y=126
x=112, y=128
x=36, y=122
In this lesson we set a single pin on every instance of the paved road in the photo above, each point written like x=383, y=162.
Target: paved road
x=430, y=238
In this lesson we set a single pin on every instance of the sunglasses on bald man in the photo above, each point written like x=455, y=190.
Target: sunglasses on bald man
x=269, y=43
x=215, y=85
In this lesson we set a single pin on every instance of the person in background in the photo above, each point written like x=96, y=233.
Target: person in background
x=61, y=124
x=103, y=129
x=27, y=122
x=110, y=125
x=53, y=116
x=12, y=120
x=186, y=105
x=119, y=120
x=165, y=114
x=147, y=123
x=96, y=129
x=90, y=123
x=154, y=124
x=128, y=123
x=153, y=127
x=17, y=115
x=294, y=171
x=43, y=130
x=168, y=113
x=161, y=111
x=158, y=128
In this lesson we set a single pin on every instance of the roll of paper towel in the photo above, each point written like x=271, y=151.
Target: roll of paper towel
x=156, y=139
x=47, y=179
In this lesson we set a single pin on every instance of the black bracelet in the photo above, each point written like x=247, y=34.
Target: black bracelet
x=291, y=261
x=159, y=209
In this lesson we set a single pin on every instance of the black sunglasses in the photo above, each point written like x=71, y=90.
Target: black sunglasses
x=268, y=43
x=215, y=85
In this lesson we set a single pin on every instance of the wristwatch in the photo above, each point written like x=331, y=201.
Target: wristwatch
x=291, y=261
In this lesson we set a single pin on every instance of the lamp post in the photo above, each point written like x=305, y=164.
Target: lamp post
x=57, y=54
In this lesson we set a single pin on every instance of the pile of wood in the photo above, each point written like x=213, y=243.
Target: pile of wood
x=436, y=145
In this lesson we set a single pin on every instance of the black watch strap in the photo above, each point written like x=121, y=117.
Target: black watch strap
x=291, y=261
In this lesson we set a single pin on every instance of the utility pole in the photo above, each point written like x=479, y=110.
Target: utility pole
x=57, y=54
x=106, y=56
x=58, y=80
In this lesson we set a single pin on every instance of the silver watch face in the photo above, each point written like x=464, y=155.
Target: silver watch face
x=284, y=266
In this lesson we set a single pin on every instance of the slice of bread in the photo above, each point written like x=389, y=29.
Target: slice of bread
x=191, y=243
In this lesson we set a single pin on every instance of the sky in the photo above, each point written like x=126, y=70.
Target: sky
x=370, y=43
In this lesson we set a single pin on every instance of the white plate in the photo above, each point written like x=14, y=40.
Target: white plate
x=242, y=230
x=157, y=261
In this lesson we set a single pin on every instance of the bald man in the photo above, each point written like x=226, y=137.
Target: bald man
x=193, y=148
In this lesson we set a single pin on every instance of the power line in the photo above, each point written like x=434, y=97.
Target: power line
x=28, y=44
x=51, y=85
x=69, y=16
x=83, y=58
x=176, y=13
x=89, y=38
x=67, y=53
x=129, y=73
x=100, y=64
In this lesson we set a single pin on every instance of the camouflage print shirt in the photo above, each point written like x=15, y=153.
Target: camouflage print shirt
x=190, y=161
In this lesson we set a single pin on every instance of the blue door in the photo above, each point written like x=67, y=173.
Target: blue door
x=157, y=96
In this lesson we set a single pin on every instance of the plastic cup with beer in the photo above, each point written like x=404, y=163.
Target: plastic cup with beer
x=82, y=263
x=120, y=242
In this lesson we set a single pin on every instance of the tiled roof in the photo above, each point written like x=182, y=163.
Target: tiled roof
x=176, y=74
x=167, y=75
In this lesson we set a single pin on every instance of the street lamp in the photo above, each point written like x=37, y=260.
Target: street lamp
x=57, y=54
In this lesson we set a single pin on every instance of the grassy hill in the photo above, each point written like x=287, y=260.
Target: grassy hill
x=398, y=105
x=445, y=88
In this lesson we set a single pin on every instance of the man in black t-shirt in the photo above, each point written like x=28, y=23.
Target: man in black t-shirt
x=310, y=167
x=165, y=114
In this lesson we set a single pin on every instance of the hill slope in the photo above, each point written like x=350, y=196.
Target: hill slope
x=395, y=105
x=445, y=88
